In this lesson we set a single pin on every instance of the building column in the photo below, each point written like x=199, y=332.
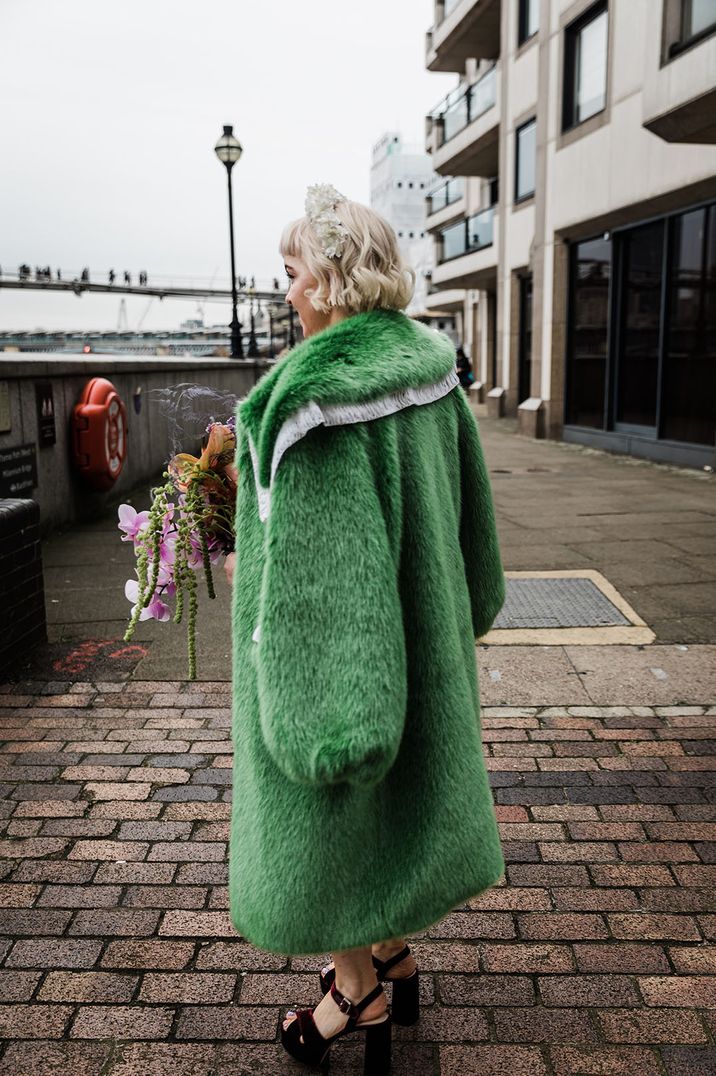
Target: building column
x=554, y=406
x=497, y=396
x=499, y=343
x=533, y=411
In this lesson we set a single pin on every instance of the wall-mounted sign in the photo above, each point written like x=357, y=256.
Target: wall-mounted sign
x=18, y=471
x=45, y=413
x=5, y=419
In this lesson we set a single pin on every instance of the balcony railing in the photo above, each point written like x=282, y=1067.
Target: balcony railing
x=463, y=105
x=468, y=235
x=447, y=193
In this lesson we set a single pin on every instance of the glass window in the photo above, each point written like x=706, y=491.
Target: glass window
x=455, y=117
x=480, y=228
x=585, y=66
x=453, y=241
x=642, y=255
x=525, y=160
x=590, y=275
x=481, y=95
x=689, y=383
x=699, y=16
x=528, y=20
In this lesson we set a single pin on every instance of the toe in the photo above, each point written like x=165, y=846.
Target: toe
x=287, y=1022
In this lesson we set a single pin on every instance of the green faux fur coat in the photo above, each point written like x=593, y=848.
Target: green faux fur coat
x=367, y=564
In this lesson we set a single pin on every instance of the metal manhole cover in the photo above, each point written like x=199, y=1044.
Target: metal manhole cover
x=557, y=603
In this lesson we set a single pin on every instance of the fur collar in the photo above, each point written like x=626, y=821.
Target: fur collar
x=369, y=356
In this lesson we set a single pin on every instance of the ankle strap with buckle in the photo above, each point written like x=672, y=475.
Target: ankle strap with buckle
x=350, y=1008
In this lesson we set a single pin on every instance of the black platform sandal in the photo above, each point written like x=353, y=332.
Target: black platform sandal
x=315, y=1049
x=405, y=1007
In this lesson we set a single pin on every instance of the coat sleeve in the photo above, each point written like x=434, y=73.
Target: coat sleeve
x=331, y=659
x=478, y=528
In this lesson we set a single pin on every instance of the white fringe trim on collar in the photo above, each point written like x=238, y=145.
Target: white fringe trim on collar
x=309, y=416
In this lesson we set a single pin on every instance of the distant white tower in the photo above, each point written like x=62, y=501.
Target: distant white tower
x=400, y=176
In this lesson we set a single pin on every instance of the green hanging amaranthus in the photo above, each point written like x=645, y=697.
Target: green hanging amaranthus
x=174, y=541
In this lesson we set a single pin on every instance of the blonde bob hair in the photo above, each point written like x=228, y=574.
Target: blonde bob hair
x=368, y=274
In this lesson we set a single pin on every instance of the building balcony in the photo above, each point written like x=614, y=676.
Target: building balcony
x=445, y=300
x=462, y=134
x=679, y=89
x=463, y=29
x=445, y=203
x=466, y=254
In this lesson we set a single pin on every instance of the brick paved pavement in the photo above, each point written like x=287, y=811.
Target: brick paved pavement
x=117, y=954
x=599, y=954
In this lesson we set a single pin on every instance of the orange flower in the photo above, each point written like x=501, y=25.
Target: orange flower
x=219, y=449
x=218, y=454
x=183, y=469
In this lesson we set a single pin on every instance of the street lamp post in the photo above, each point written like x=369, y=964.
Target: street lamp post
x=270, y=317
x=292, y=331
x=253, y=346
x=228, y=150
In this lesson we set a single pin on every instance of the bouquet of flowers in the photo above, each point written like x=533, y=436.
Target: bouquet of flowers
x=188, y=526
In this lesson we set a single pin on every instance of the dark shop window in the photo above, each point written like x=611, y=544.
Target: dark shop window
x=524, y=368
x=585, y=66
x=642, y=255
x=689, y=382
x=590, y=275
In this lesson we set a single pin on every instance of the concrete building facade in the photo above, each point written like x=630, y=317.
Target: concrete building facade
x=575, y=229
x=400, y=177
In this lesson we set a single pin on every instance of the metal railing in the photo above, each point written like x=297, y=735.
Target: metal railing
x=463, y=105
x=451, y=191
x=468, y=235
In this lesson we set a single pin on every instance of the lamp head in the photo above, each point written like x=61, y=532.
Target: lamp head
x=228, y=148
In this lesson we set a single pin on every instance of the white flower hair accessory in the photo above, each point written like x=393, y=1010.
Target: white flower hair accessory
x=321, y=202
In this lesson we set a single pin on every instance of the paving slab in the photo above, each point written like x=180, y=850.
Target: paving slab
x=650, y=675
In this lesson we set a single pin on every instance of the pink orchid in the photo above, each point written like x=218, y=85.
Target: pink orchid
x=190, y=533
x=156, y=610
x=131, y=522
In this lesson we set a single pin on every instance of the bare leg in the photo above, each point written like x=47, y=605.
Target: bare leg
x=385, y=949
x=355, y=977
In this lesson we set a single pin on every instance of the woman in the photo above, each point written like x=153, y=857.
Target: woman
x=367, y=562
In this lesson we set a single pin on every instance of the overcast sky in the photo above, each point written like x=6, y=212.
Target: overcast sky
x=111, y=111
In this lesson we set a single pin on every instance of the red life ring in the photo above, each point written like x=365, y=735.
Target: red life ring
x=99, y=433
